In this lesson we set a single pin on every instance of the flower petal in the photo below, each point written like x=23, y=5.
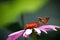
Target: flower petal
x=54, y=29
x=15, y=35
x=45, y=28
x=27, y=33
x=37, y=30
x=44, y=31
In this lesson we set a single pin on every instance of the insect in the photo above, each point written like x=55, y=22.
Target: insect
x=43, y=20
x=31, y=25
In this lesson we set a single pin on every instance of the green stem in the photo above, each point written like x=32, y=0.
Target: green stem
x=22, y=21
x=34, y=36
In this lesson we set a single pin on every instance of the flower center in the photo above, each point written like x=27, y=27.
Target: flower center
x=31, y=25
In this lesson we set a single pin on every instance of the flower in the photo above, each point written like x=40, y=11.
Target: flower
x=29, y=29
x=46, y=28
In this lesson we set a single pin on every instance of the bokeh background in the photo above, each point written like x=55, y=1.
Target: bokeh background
x=14, y=14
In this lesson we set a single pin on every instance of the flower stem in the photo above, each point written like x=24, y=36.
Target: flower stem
x=22, y=21
x=34, y=36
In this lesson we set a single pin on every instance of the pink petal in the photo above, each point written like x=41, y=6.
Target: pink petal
x=15, y=35
x=27, y=33
x=37, y=30
x=44, y=31
x=45, y=28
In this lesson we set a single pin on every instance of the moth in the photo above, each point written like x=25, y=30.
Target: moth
x=43, y=20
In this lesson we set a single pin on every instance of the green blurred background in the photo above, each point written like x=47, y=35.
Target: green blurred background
x=14, y=14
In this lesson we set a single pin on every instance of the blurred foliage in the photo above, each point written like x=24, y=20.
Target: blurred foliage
x=11, y=9
x=14, y=27
x=52, y=35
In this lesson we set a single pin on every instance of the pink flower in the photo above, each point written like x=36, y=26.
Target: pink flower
x=46, y=28
x=28, y=31
x=15, y=35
